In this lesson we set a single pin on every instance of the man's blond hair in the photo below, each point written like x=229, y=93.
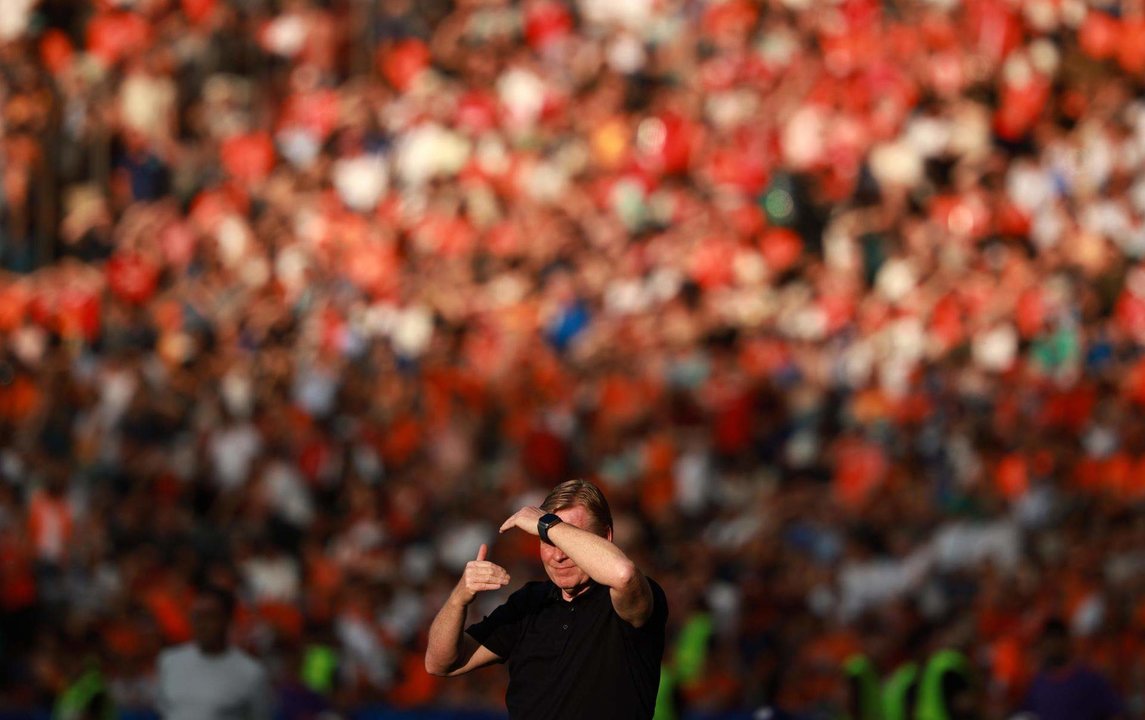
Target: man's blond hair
x=583, y=493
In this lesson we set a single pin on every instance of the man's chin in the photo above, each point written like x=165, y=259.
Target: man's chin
x=566, y=580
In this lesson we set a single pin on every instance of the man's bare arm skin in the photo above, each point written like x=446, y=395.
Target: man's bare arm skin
x=601, y=559
x=450, y=651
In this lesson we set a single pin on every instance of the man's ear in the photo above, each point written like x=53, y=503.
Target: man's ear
x=608, y=535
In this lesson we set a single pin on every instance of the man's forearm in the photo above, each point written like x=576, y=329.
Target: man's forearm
x=600, y=558
x=445, y=633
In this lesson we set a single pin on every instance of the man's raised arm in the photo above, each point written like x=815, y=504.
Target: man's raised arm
x=603, y=561
x=449, y=650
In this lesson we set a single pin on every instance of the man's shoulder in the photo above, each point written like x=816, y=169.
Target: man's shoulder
x=245, y=662
x=177, y=653
x=186, y=654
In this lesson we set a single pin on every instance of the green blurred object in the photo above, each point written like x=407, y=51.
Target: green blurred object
x=778, y=201
x=692, y=648
x=85, y=698
x=666, y=696
x=629, y=204
x=898, y=692
x=318, y=668
x=780, y=206
x=686, y=665
x=1059, y=349
x=931, y=704
x=864, y=681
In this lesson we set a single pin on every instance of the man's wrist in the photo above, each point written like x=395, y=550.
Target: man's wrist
x=545, y=523
x=458, y=600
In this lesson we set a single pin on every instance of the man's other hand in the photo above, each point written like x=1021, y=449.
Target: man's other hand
x=481, y=575
x=526, y=519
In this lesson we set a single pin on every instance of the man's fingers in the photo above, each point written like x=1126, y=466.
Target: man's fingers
x=498, y=572
x=491, y=578
x=479, y=586
x=480, y=570
x=481, y=575
x=484, y=565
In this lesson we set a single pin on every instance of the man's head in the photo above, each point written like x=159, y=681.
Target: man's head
x=1055, y=644
x=586, y=495
x=211, y=613
x=578, y=503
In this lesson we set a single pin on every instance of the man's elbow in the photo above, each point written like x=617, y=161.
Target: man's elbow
x=632, y=598
x=626, y=575
x=435, y=668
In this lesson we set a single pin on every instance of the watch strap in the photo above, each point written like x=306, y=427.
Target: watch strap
x=547, y=521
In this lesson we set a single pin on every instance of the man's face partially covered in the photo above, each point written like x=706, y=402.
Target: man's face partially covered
x=560, y=568
x=210, y=624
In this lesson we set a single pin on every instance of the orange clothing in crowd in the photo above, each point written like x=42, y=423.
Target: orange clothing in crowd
x=17, y=578
x=50, y=525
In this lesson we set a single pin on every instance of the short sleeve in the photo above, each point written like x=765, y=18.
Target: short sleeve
x=501, y=630
x=647, y=641
x=660, y=605
x=658, y=620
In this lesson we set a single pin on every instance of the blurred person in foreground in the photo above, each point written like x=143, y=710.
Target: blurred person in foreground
x=586, y=643
x=1066, y=689
x=208, y=678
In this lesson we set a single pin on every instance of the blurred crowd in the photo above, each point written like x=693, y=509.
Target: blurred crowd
x=841, y=301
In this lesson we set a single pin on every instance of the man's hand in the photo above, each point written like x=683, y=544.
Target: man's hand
x=526, y=518
x=479, y=575
x=449, y=650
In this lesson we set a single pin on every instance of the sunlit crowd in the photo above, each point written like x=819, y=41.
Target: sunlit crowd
x=841, y=302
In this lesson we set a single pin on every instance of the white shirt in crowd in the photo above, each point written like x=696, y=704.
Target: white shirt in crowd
x=227, y=686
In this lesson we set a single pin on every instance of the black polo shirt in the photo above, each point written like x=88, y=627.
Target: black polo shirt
x=575, y=659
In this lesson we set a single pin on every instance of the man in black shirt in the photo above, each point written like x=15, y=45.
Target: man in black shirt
x=587, y=643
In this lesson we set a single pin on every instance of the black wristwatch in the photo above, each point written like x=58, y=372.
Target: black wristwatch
x=547, y=521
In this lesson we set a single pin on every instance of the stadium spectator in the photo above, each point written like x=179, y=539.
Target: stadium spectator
x=1065, y=688
x=210, y=678
x=841, y=302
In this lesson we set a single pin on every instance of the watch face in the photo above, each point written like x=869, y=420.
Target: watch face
x=547, y=521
